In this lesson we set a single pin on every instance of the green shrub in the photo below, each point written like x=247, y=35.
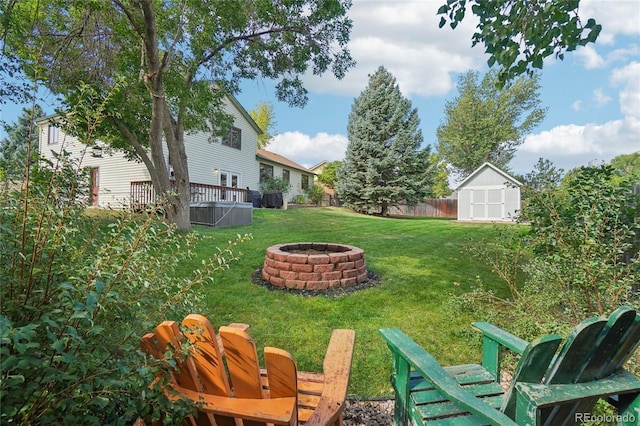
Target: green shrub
x=314, y=194
x=77, y=295
x=577, y=260
x=275, y=184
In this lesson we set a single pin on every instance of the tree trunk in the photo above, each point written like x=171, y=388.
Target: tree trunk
x=179, y=212
x=163, y=125
x=384, y=209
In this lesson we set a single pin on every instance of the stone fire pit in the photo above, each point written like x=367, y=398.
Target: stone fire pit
x=314, y=266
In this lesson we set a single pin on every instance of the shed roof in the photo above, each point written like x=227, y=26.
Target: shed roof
x=490, y=166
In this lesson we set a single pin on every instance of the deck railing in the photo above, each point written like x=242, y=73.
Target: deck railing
x=143, y=194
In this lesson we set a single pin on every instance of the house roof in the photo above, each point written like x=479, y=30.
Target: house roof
x=45, y=118
x=492, y=167
x=263, y=154
x=319, y=165
x=245, y=114
x=232, y=98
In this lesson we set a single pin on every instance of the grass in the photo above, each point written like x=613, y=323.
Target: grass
x=422, y=264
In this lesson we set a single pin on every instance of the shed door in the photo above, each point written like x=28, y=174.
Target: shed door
x=495, y=203
x=487, y=204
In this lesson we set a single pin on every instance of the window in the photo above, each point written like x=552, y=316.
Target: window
x=266, y=172
x=305, y=181
x=233, y=138
x=286, y=176
x=52, y=137
x=229, y=179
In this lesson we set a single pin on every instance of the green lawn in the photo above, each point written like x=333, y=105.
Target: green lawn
x=422, y=263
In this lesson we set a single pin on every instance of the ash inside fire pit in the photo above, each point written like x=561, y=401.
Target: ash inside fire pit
x=314, y=266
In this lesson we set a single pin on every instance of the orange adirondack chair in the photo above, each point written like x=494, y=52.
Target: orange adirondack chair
x=223, y=378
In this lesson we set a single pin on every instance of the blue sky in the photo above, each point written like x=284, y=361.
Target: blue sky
x=593, y=95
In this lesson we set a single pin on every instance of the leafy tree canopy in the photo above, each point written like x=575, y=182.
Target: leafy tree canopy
x=328, y=176
x=519, y=34
x=627, y=166
x=384, y=164
x=441, y=179
x=263, y=115
x=486, y=123
x=172, y=63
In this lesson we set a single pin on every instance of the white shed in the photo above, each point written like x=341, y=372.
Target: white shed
x=488, y=194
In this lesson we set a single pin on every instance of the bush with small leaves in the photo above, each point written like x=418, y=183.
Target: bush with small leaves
x=78, y=292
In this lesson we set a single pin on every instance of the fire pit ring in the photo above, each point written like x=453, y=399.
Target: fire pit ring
x=314, y=266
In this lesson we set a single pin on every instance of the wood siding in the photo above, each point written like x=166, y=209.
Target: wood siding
x=206, y=156
x=114, y=170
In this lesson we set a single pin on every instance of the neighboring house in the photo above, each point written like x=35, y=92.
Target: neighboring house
x=329, y=198
x=488, y=194
x=318, y=168
x=275, y=165
x=220, y=168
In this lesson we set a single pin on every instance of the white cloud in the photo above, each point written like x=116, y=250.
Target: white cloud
x=570, y=145
x=309, y=151
x=617, y=17
x=629, y=78
x=600, y=97
x=589, y=57
x=404, y=37
x=623, y=54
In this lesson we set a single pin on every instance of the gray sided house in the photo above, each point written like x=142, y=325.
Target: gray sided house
x=488, y=194
x=275, y=165
x=220, y=168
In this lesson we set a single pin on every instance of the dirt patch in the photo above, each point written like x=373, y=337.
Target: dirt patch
x=372, y=281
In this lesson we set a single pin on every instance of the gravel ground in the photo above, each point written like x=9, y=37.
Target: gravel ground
x=368, y=412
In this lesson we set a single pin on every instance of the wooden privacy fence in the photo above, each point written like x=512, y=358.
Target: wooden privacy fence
x=434, y=207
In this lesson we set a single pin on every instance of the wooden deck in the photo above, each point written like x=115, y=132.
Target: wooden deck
x=142, y=194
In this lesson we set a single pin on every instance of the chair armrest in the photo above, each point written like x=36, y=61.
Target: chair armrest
x=503, y=337
x=336, y=370
x=493, y=340
x=421, y=361
x=532, y=397
x=279, y=411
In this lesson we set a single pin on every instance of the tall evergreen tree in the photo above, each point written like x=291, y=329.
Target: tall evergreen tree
x=384, y=164
x=14, y=147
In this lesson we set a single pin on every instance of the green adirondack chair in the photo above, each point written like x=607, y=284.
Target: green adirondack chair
x=547, y=388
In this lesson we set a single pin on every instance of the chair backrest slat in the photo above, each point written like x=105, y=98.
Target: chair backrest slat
x=532, y=367
x=206, y=354
x=281, y=373
x=242, y=361
x=573, y=357
x=208, y=360
x=626, y=349
x=168, y=337
x=610, y=341
x=589, y=354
